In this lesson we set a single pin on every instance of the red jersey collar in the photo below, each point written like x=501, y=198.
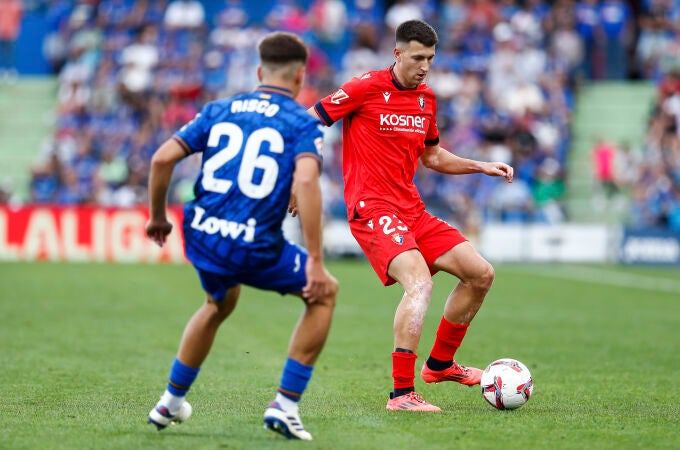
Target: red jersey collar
x=396, y=82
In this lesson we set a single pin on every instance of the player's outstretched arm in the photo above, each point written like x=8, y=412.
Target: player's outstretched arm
x=441, y=160
x=162, y=165
x=307, y=192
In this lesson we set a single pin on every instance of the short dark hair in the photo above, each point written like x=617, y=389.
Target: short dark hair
x=417, y=30
x=281, y=48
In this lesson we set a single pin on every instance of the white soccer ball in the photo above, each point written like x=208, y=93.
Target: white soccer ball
x=506, y=384
x=184, y=412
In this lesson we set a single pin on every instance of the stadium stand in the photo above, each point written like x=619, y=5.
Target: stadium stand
x=655, y=199
x=506, y=76
x=26, y=107
x=617, y=112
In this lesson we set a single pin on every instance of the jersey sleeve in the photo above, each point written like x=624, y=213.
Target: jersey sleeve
x=344, y=101
x=193, y=136
x=310, y=142
x=432, y=136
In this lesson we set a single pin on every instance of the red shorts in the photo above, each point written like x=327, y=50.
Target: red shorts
x=383, y=234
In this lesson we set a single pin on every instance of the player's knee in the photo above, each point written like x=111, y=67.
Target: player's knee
x=329, y=300
x=421, y=288
x=220, y=310
x=485, y=278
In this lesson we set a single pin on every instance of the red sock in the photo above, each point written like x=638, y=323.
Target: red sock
x=403, y=369
x=449, y=337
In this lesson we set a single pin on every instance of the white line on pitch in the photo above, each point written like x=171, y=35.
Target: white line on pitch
x=607, y=277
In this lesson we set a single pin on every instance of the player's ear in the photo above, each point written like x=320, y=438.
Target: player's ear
x=397, y=54
x=259, y=73
x=300, y=76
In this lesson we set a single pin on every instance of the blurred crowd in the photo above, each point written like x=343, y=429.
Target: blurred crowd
x=132, y=72
x=655, y=183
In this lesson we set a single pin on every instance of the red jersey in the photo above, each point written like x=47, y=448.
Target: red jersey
x=385, y=130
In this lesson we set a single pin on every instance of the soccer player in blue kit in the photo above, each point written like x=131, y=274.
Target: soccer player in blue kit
x=261, y=159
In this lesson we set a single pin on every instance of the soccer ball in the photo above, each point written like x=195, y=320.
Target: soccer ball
x=506, y=384
x=184, y=412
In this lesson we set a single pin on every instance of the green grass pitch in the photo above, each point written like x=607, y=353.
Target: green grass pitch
x=86, y=351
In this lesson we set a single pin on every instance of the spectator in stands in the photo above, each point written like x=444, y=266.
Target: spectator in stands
x=627, y=162
x=150, y=11
x=513, y=202
x=528, y=21
x=328, y=21
x=113, y=169
x=287, y=15
x=617, y=32
x=507, y=9
x=603, y=154
x=55, y=42
x=655, y=40
x=500, y=91
x=11, y=13
x=116, y=14
x=548, y=190
x=138, y=61
x=363, y=55
x=643, y=213
x=214, y=74
x=69, y=191
x=564, y=42
x=232, y=15
x=185, y=15
x=674, y=210
x=104, y=95
x=501, y=73
x=74, y=91
x=45, y=179
x=400, y=11
x=588, y=27
x=454, y=13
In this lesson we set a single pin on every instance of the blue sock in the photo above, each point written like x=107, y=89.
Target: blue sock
x=181, y=377
x=294, y=379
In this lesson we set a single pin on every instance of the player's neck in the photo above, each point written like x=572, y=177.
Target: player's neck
x=270, y=87
x=399, y=79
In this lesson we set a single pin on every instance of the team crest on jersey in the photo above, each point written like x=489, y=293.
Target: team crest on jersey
x=398, y=238
x=421, y=101
x=339, y=96
x=386, y=96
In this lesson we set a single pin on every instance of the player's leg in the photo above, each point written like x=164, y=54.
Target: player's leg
x=410, y=270
x=200, y=331
x=197, y=339
x=476, y=276
x=306, y=342
x=393, y=253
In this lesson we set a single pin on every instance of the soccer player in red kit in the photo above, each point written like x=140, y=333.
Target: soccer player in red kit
x=389, y=125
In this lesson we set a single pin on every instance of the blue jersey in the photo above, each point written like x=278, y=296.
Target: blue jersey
x=250, y=143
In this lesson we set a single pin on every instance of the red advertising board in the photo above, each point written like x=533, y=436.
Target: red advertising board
x=60, y=233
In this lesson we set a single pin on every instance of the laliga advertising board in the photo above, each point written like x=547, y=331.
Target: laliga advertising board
x=57, y=233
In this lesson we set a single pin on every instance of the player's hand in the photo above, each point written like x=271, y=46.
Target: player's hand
x=158, y=230
x=292, y=206
x=320, y=283
x=499, y=169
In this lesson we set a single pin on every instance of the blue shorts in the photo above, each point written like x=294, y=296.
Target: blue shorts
x=285, y=275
